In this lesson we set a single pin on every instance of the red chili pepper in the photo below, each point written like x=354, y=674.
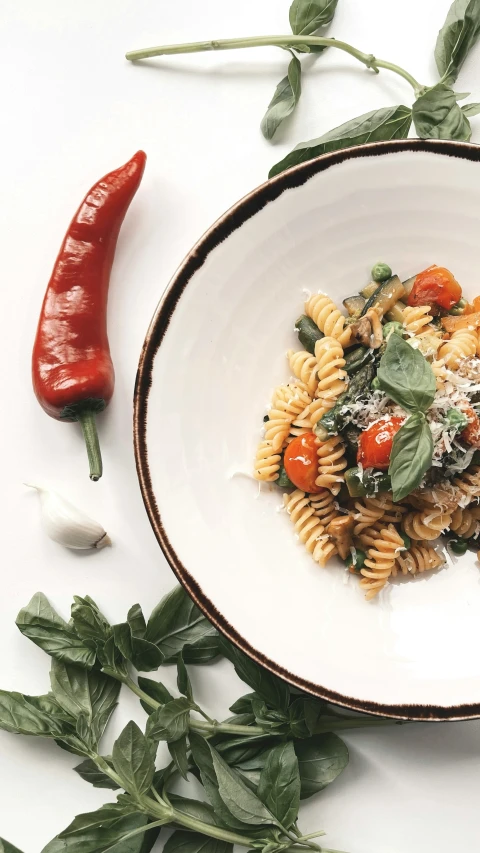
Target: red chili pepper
x=72, y=371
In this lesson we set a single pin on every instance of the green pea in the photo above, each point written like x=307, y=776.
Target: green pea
x=458, y=546
x=456, y=418
x=406, y=540
x=375, y=384
x=393, y=328
x=357, y=562
x=459, y=307
x=380, y=272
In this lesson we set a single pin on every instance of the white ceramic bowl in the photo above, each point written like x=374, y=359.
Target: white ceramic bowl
x=214, y=351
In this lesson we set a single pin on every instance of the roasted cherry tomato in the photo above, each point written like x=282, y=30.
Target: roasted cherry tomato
x=435, y=286
x=471, y=433
x=301, y=462
x=375, y=443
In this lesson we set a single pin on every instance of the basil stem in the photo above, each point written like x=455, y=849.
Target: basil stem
x=288, y=41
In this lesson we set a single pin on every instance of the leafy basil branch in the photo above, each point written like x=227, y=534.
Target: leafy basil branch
x=435, y=112
x=278, y=747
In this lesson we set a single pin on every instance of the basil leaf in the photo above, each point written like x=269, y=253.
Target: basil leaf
x=406, y=376
x=182, y=841
x=472, y=109
x=270, y=688
x=156, y=690
x=183, y=680
x=6, y=847
x=43, y=626
x=320, y=760
x=48, y=705
x=177, y=625
x=251, y=768
x=136, y=620
x=304, y=716
x=170, y=722
x=279, y=785
x=457, y=37
x=89, y=771
x=18, y=716
x=202, y=756
x=243, y=705
x=411, y=455
x=133, y=757
x=284, y=101
x=376, y=126
x=237, y=750
x=193, y=808
x=107, y=830
x=88, y=621
x=80, y=692
x=178, y=749
x=239, y=799
x=437, y=115
x=142, y=654
x=306, y=16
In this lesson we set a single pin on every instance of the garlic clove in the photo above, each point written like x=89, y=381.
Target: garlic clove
x=66, y=524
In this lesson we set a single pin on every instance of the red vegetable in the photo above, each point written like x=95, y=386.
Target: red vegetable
x=72, y=371
x=375, y=443
x=435, y=286
x=301, y=463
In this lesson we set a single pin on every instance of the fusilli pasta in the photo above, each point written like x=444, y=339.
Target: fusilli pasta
x=382, y=552
x=462, y=344
x=428, y=524
x=267, y=462
x=331, y=463
x=415, y=319
x=420, y=558
x=304, y=366
x=328, y=318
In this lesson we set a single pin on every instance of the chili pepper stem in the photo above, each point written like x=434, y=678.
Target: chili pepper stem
x=86, y=419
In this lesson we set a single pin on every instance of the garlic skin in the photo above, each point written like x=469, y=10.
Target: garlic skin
x=66, y=524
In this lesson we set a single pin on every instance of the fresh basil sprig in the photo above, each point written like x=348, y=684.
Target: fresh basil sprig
x=307, y=16
x=255, y=767
x=437, y=115
x=456, y=38
x=408, y=379
x=285, y=99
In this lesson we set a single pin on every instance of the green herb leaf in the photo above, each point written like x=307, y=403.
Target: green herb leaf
x=6, y=847
x=457, y=37
x=177, y=625
x=202, y=756
x=304, y=715
x=82, y=692
x=276, y=721
x=270, y=688
x=376, y=126
x=406, y=376
x=411, y=455
x=133, y=757
x=48, y=705
x=89, y=771
x=237, y=750
x=108, y=830
x=183, y=680
x=472, y=109
x=320, y=760
x=156, y=690
x=43, y=626
x=142, y=654
x=136, y=620
x=306, y=16
x=88, y=621
x=279, y=785
x=170, y=722
x=193, y=808
x=239, y=799
x=285, y=99
x=194, y=842
x=178, y=749
x=243, y=705
x=437, y=115
x=18, y=716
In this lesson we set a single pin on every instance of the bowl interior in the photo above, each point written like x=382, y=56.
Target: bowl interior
x=214, y=352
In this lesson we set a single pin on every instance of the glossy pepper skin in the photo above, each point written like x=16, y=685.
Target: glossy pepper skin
x=72, y=371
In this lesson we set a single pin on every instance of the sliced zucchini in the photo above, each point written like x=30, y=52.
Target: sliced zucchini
x=369, y=289
x=356, y=358
x=395, y=315
x=385, y=296
x=308, y=333
x=408, y=285
x=367, y=484
x=354, y=304
x=283, y=480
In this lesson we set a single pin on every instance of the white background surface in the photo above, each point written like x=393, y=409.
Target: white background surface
x=72, y=109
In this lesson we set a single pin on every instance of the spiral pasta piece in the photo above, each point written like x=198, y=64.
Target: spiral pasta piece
x=267, y=463
x=428, y=524
x=368, y=511
x=381, y=555
x=323, y=504
x=308, y=526
x=304, y=366
x=441, y=374
x=420, y=558
x=416, y=318
x=324, y=550
x=287, y=402
x=331, y=462
x=467, y=486
x=465, y=521
x=328, y=318
x=462, y=344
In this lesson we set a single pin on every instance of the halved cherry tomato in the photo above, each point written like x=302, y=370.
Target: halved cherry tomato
x=301, y=462
x=375, y=443
x=435, y=286
x=471, y=433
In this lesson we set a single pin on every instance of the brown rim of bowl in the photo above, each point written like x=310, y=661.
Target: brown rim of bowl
x=219, y=231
